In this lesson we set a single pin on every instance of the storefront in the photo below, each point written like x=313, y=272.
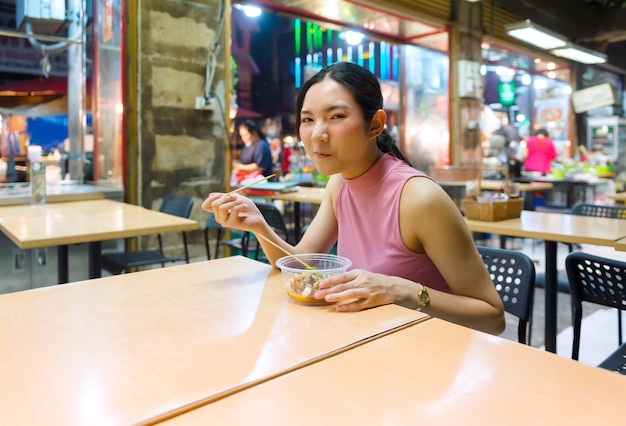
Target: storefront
x=529, y=92
x=276, y=51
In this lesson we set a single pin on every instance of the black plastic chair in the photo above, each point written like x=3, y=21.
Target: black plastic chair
x=513, y=274
x=275, y=220
x=616, y=361
x=116, y=263
x=584, y=209
x=587, y=209
x=598, y=280
x=243, y=243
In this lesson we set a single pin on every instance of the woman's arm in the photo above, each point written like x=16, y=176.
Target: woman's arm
x=430, y=222
x=250, y=167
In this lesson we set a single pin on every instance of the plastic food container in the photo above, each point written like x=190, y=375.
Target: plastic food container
x=301, y=283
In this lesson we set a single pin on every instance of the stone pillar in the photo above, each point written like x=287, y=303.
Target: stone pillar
x=171, y=145
x=466, y=93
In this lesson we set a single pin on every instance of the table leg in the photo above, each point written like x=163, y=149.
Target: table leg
x=529, y=200
x=95, y=260
x=62, y=264
x=296, y=222
x=551, y=291
x=570, y=195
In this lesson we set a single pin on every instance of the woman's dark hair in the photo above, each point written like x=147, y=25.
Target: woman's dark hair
x=543, y=132
x=253, y=127
x=364, y=88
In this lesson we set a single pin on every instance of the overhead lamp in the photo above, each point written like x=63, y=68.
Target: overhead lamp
x=353, y=38
x=535, y=35
x=579, y=54
x=249, y=10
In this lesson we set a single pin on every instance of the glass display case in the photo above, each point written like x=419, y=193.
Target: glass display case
x=609, y=134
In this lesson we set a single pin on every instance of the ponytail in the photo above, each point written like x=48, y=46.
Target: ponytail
x=386, y=143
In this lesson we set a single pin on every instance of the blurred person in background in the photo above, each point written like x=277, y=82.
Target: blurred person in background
x=256, y=158
x=540, y=152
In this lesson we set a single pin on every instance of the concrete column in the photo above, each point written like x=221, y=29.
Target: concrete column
x=466, y=93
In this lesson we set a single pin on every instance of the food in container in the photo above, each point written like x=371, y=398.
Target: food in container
x=301, y=282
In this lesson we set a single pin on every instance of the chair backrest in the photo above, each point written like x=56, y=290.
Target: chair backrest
x=274, y=219
x=513, y=274
x=594, y=279
x=585, y=209
x=177, y=205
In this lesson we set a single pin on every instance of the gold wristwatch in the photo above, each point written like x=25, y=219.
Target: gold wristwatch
x=423, y=298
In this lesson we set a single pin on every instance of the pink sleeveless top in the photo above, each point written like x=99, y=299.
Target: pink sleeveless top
x=367, y=211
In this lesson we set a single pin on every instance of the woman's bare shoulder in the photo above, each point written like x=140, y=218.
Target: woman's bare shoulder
x=423, y=195
x=333, y=185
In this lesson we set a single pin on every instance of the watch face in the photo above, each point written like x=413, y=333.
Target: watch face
x=424, y=297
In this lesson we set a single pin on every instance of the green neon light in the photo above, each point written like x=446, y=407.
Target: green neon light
x=309, y=37
x=298, y=36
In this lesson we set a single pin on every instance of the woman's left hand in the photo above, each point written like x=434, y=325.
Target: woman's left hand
x=356, y=290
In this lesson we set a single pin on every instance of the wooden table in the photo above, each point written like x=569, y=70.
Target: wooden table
x=456, y=190
x=303, y=194
x=620, y=245
x=620, y=197
x=569, y=185
x=88, y=221
x=553, y=228
x=435, y=373
x=137, y=348
x=57, y=192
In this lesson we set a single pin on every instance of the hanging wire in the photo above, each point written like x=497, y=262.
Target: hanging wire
x=214, y=48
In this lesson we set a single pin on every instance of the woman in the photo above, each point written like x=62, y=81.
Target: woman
x=407, y=240
x=256, y=155
x=540, y=152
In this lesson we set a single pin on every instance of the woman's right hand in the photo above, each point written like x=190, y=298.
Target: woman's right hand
x=234, y=211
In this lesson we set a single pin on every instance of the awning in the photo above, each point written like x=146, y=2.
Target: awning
x=37, y=97
x=38, y=86
x=247, y=113
x=56, y=106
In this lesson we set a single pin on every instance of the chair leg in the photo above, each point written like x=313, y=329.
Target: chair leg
x=160, y=248
x=619, y=327
x=245, y=239
x=217, y=243
x=185, y=246
x=206, y=243
x=577, y=319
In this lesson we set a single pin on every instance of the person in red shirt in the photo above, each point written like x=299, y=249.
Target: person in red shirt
x=540, y=152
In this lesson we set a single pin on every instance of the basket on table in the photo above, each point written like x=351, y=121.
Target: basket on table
x=493, y=210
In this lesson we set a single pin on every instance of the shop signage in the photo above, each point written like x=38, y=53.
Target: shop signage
x=593, y=97
x=506, y=93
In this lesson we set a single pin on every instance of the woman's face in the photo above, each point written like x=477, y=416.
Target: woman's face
x=333, y=131
x=246, y=135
